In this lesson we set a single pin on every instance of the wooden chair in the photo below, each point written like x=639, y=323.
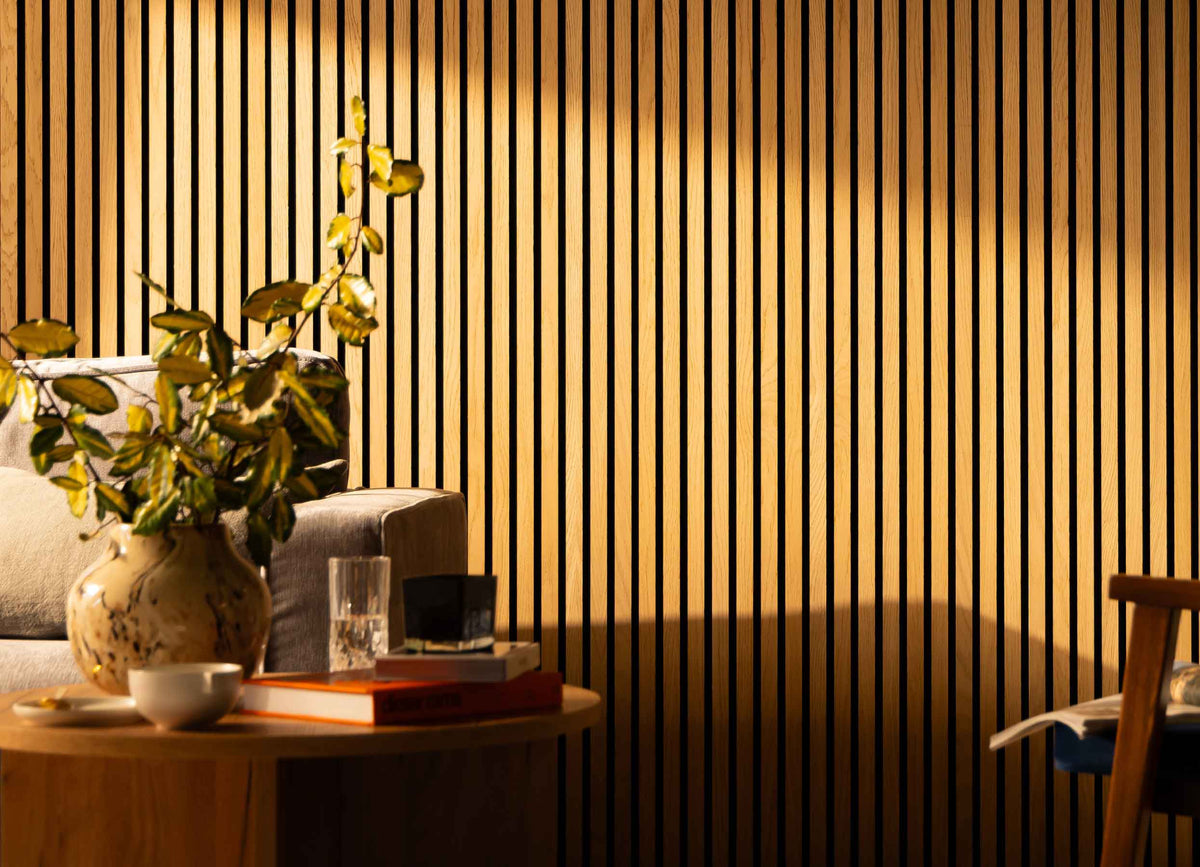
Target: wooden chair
x=1145, y=692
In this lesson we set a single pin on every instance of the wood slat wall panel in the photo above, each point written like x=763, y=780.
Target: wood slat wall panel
x=806, y=366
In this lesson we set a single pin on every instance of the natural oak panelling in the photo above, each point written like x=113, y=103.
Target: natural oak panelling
x=806, y=366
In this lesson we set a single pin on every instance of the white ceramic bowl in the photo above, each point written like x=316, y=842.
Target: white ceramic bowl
x=186, y=695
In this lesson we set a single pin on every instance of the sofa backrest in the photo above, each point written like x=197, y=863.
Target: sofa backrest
x=132, y=378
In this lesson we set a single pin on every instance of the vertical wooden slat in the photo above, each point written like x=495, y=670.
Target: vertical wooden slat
x=766, y=233
x=476, y=364
x=499, y=383
x=55, y=231
x=82, y=234
x=107, y=281
x=208, y=282
x=355, y=78
x=596, y=414
x=375, y=426
x=129, y=290
x=698, y=543
x=233, y=144
x=838, y=414
x=451, y=157
x=937, y=613
x=11, y=162
x=257, y=208
x=157, y=171
x=184, y=277
x=399, y=250
x=425, y=151
x=965, y=436
x=819, y=576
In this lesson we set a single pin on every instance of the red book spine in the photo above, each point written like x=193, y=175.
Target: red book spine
x=533, y=690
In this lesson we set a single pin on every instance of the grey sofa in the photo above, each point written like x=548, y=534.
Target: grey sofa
x=423, y=531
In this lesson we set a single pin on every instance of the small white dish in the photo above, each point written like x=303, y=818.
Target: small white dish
x=115, y=710
x=186, y=695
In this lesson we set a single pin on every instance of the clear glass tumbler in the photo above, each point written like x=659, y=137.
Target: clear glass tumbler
x=359, y=589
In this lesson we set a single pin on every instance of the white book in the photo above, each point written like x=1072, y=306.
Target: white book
x=1086, y=718
x=503, y=661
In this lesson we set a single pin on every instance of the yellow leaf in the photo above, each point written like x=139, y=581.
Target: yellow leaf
x=185, y=370
x=351, y=327
x=28, y=397
x=346, y=178
x=138, y=418
x=404, y=177
x=47, y=337
x=86, y=391
x=371, y=240
x=78, y=499
x=381, y=159
x=358, y=294
x=168, y=402
x=338, y=232
x=359, y=112
x=8, y=386
x=279, y=335
x=342, y=145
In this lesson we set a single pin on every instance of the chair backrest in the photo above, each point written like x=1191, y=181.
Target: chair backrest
x=1145, y=691
x=132, y=379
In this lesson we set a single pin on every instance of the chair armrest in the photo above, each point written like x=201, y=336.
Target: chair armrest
x=1159, y=592
x=423, y=531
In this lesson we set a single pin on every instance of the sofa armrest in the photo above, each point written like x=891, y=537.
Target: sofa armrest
x=423, y=531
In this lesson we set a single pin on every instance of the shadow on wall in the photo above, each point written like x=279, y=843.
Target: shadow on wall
x=864, y=743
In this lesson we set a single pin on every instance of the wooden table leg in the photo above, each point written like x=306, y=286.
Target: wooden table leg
x=98, y=812
x=484, y=806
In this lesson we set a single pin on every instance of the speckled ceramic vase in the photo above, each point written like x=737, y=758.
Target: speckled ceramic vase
x=184, y=595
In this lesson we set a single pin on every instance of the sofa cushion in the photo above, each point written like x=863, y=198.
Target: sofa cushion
x=26, y=664
x=41, y=555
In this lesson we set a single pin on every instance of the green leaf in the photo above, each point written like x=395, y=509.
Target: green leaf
x=302, y=486
x=93, y=442
x=138, y=418
x=47, y=337
x=274, y=301
x=324, y=379
x=154, y=287
x=189, y=344
x=258, y=539
x=46, y=420
x=201, y=494
x=229, y=495
x=357, y=294
x=281, y=451
x=150, y=517
x=404, y=177
x=27, y=393
x=86, y=391
x=342, y=145
x=66, y=483
x=130, y=458
x=338, y=232
x=278, y=337
x=283, y=519
x=259, y=481
x=371, y=240
x=351, y=327
x=319, y=422
x=44, y=440
x=168, y=402
x=359, y=112
x=230, y=425
x=346, y=178
x=78, y=499
x=259, y=387
x=177, y=321
x=185, y=370
x=220, y=352
x=58, y=454
x=112, y=499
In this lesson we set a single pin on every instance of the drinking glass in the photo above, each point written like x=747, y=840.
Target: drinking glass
x=359, y=588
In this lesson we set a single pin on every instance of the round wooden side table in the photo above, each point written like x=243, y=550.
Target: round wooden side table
x=258, y=791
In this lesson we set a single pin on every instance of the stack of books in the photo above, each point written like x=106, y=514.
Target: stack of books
x=413, y=688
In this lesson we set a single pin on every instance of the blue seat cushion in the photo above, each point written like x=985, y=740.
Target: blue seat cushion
x=1179, y=757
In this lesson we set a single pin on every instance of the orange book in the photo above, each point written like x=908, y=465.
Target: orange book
x=356, y=697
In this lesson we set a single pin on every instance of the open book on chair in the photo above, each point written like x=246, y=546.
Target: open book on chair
x=1101, y=714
